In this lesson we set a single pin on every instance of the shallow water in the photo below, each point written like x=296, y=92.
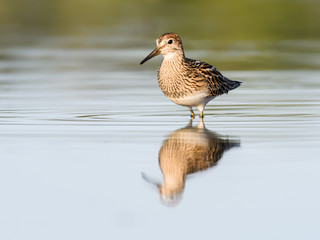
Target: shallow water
x=81, y=130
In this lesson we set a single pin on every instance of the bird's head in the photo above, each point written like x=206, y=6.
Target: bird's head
x=168, y=44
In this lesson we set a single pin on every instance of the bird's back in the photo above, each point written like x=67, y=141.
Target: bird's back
x=216, y=83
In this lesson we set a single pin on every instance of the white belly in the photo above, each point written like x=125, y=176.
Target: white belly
x=197, y=99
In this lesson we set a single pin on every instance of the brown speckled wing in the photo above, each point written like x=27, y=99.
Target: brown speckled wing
x=217, y=83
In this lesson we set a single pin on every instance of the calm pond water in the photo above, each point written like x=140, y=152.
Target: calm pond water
x=87, y=139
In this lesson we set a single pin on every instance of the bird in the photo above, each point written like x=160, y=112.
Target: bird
x=187, y=151
x=184, y=81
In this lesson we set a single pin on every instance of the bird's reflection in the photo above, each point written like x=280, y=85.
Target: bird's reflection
x=187, y=150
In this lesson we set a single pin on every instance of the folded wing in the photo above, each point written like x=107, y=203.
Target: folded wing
x=217, y=83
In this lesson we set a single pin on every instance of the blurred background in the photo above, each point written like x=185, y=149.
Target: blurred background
x=253, y=34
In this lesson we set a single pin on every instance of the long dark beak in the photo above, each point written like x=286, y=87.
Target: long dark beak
x=154, y=53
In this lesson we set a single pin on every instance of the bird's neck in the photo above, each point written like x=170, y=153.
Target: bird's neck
x=174, y=181
x=176, y=58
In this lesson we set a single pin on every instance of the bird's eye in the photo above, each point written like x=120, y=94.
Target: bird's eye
x=170, y=41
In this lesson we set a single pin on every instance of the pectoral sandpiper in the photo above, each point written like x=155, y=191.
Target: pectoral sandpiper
x=185, y=81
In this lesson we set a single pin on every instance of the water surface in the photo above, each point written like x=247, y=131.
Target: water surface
x=82, y=128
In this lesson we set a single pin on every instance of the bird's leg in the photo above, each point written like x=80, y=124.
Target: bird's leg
x=192, y=113
x=201, y=115
x=201, y=109
x=190, y=123
x=201, y=124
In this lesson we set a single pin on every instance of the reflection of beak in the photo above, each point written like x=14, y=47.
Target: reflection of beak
x=150, y=180
x=154, y=53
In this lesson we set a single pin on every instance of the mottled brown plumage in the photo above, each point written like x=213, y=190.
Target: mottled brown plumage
x=185, y=81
